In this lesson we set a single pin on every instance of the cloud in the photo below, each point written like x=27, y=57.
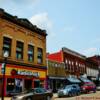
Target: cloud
x=43, y=21
x=19, y=7
x=90, y=51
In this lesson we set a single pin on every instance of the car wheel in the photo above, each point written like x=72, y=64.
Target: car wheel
x=29, y=98
x=94, y=91
x=78, y=93
x=48, y=98
x=70, y=94
x=74, y=94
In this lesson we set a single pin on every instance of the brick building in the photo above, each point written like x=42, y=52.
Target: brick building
x=93, y=70
x=74, y=62
x=56, y=74
x=26, y=45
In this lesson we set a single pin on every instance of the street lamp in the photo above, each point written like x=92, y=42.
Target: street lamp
x=3, y=72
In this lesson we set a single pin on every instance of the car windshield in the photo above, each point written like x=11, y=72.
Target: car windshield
x=28, y=91
x=67, y=87
x=89, y=84
x=39, y=90
x=85, y=80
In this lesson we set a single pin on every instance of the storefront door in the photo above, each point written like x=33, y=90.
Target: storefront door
x=27, y=84
x=36, y=83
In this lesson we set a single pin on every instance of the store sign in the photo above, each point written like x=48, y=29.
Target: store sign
x=24, y=72
x=28, y=73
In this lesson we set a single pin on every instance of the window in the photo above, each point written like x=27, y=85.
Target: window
x=7, y=45
x=66, y=61
x=40, y=55
x=10, y=84
x=30, y=53
x=19, y=50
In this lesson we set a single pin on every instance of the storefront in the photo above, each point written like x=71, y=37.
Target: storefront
x=55, y=83
x=19, y=78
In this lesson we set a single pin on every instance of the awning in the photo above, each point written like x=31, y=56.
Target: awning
x=51, y=77
x=85, y=79
x=73, y=80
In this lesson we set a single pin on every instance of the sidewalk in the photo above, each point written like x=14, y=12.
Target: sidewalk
x=54, y=96
x=6, y=98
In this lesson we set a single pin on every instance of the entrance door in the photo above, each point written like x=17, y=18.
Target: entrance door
x=36, y=83
x=54, y=85
x=28, y=84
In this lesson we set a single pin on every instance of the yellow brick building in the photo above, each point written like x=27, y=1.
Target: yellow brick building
x=26, y=46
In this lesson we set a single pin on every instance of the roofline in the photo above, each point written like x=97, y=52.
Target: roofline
x=66, y=50
x=18, y=21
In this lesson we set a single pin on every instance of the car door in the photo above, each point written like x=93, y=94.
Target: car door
x=74, y=90
x=38, y=95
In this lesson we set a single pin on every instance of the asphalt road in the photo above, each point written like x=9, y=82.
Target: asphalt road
x=89, y=96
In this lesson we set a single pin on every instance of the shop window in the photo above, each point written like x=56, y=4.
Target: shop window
x=0, y=80
x=30, y=53
x=42, y=83
x=18, y=85
x=7, y=45
x=10, y=84
x=14, y=85
x=40, y=55
x=19, y=50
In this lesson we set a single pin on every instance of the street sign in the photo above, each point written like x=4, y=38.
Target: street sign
x=2, y=68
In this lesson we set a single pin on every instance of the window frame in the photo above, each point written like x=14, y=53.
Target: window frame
x=9, y=43
x=39, y=55
x=32, y=55
x=18, y=46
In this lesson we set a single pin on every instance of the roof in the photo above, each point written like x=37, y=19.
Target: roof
x=95, y=59
x=66, y=50
x=22, y=22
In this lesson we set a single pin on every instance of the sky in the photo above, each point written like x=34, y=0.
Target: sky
x=74, y=24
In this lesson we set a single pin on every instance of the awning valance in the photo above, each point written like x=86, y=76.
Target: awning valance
x=73, y=80
x=51, y=77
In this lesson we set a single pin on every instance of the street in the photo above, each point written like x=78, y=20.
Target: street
x=90, y=96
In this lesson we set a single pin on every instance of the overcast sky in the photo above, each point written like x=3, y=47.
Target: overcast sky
x=74, y=24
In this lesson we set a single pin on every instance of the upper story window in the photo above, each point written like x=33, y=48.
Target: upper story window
x=19, y=50
x=7, y=45
x=30, y=53
x=40, y=55
x=66, y=61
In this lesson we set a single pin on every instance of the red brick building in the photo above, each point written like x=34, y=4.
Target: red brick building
x=74, y=62
x=93, y=64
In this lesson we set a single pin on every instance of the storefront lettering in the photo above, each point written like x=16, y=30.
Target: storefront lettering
x=28, y=73
x=24, y=72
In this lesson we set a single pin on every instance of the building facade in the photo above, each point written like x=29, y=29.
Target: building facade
x=93, y=70
x=74, y=62
x=25, y=44
x=55, y=74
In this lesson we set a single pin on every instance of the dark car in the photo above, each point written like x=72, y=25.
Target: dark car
x=87, y=87
x=34, y=94
x=12, y=93
x=69, y=90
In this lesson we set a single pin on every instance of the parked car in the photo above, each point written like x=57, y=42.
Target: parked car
x=69, y=90
x=34, y=94
x=87, y=87
x=12, y=93
x=98, y=88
